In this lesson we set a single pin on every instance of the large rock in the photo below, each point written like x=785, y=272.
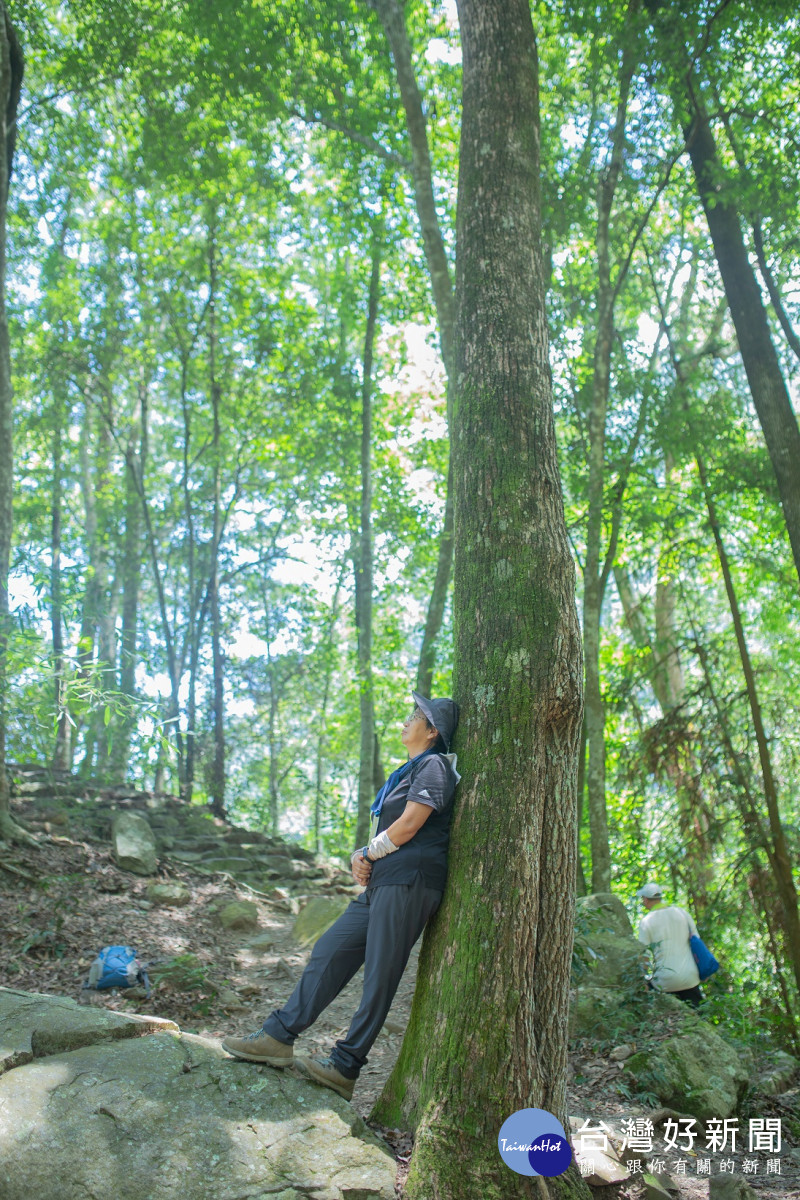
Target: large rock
x=603, y=912
x=696, y=1072
x=608, y=954
x=596, y=1010
x=778, y=1073
x=34, y=1025
x=134, y=844
x=613, y=961
x=730, y=1187
x=317, y=916
x=169, y=895
x=218, y=862
x=612, y=1014
x=239, y=914
x=169, y=1115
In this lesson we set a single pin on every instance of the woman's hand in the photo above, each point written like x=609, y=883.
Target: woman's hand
x=361, y=869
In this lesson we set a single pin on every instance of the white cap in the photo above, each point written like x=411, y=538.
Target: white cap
x=650, y=891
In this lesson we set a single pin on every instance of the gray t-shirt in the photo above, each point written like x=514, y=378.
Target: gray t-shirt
x=431, y=782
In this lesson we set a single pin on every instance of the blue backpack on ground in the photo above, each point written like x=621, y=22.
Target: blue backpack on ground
x=117, y=966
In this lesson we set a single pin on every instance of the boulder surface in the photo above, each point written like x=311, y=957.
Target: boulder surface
x=89, y=1106
x=134, y=844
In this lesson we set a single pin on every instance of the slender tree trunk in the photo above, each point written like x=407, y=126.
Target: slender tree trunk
x=780, y=860
x=272, y=726
x=441, y=583
x=676, y=747
x=131, y=582
x=186, y=783
x=581, y=887
x=593, y=575
x=105, y=724
x=62, y=755
x=322, y=728
x=767, y=385
x=11, y=67
x=749, y=811
x=97, y=648
x=218, y=689
x=774, y=292
x=392, y=17
x=174, y=668
x=764, y=901
x=94, y=479
x=160, y=773
x=493, y=981
x=363, y=566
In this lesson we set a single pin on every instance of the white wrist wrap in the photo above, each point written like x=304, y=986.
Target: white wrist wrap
x=381, y=845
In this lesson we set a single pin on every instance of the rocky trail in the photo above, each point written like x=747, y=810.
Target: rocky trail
x=217, y=970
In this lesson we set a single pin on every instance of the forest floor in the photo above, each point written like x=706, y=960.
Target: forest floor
x=63, y=899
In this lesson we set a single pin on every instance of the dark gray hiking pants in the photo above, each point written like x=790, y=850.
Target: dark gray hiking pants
x=378, y=929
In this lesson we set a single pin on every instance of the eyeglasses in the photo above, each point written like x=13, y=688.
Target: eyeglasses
x=416, y=715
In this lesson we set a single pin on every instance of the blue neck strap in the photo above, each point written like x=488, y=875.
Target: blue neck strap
x=394, y=779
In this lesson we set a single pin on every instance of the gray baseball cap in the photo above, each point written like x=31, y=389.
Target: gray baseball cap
x=443, y=714
x=650, y=891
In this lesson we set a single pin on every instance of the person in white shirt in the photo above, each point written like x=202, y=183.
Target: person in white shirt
x=666, y=929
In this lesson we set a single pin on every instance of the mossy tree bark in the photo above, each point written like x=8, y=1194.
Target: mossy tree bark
x=11, y=67
x=488, y=1029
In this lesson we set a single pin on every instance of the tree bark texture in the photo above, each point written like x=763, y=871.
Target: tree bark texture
x=392, y=17
x=488, y=1030
x=11, y=67
x=364, y=565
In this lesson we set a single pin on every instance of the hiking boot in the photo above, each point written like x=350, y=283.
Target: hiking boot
x=323, y=1070
x=261, y=1048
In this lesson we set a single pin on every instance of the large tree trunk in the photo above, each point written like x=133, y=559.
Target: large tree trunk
x=363, y=567
x=493, y=983
x=11, y=66
x=392, y=17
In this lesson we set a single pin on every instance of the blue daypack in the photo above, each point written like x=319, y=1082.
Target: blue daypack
x=706, y=962
x=117, y=966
